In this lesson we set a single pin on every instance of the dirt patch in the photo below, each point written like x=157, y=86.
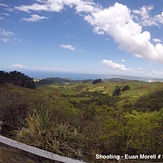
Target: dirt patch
x=12, y=155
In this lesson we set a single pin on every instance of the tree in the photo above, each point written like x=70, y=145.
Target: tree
x=144, y=132
x=126, y=87
x=96, y=81
x=16, y=78
x=4, y=77
x=116, y=91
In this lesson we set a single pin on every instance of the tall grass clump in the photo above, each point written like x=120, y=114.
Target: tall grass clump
x=52, y=128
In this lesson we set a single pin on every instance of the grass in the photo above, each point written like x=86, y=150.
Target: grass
x=137, y=89
x=128, y=97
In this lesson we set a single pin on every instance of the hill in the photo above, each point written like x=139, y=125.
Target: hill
x=57, y=80
x=72, y=116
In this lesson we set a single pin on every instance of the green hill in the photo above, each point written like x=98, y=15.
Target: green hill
x=69, y=116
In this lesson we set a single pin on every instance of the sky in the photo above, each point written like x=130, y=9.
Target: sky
x=120, y=37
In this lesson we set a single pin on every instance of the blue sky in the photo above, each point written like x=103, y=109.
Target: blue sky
x=82, y=36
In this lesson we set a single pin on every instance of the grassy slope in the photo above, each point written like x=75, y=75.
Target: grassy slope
x=137, y=89
x=77, y=92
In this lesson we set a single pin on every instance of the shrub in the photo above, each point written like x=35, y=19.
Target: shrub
x=126, y=87
x=116, y=91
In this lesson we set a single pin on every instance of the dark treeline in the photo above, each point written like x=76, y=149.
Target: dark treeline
x=96, y=81
x=16, y=78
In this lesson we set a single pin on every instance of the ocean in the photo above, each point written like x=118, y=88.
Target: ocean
x=81, y=76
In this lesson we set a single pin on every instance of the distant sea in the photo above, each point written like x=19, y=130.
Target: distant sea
x=81, y=76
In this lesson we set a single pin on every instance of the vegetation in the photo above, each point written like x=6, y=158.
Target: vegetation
x=13, y=108
x=116, y=91
x=126, y=87
x=150, y=102
x=16, y=78
x=96, y=81
x=81, y=119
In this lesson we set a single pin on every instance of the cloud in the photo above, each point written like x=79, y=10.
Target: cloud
x=58, y=5
x=5, y=14
x=34, y=7
x=19, y=66
x=143, y=11
x=146, y=18
x=33, y=68
x=157, y=40
x=115, y=66
x=34, y=18
x=3, y=5
x=70, y=47
x=6, y=33
x=159, y=18
x=123, y=60
x=125, y=30
x=8, y=36
x=4, y=39
x=146, y=72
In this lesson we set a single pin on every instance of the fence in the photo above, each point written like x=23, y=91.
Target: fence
x=37, y=151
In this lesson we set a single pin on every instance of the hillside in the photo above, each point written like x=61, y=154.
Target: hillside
x=79, y=119
x=60, y=81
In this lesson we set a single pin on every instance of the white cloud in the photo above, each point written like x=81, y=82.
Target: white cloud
x=8, y=36
x=122, y=27
x=16, y=40
x=155, y=72
x=159, y=18
x=34, y=18
x=19, y=66
x=146, y=19
x=86, y=7
x=70, y=47
x=146, y=72
x=157, y=40
x=125, y=31
x=35, y=7
x=6, y=33
x=34, y=68
x=3, y=5
x=144, y=13
x=123, y=60
x=4, y=39
x=5, y=14
x=58, y=5
x=115, y=66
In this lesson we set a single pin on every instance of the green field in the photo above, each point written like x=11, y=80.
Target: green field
x=137, y=90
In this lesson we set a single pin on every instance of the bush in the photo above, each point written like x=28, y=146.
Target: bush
x=116, y=91
x=96, y=81
x=150, y=102
x=13, y=108
x=126, y=87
